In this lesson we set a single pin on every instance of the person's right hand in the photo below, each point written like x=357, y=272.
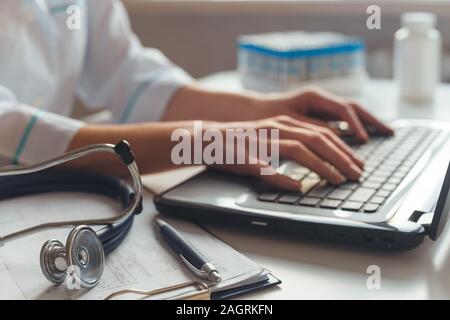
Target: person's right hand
x=312, y=146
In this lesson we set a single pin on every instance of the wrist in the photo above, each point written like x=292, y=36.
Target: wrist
x=270, y=105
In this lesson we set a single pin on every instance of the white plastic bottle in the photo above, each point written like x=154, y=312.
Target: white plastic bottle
x=417, y=55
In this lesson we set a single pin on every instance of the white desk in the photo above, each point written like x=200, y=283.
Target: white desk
x=312, y=270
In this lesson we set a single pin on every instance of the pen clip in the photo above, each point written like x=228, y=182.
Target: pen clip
x=208, y=271
x=197, y=272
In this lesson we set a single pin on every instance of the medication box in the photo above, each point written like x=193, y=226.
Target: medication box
x=288, y=60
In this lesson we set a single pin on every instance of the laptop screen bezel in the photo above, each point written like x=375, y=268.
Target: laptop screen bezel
x=441, y=214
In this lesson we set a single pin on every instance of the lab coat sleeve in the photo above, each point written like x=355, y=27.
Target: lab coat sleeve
x=29, y=135
x=134, y=82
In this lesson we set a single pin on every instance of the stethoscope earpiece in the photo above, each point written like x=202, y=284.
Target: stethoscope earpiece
x=80, y=262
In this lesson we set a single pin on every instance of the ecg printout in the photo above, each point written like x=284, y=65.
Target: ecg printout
x=143, y=261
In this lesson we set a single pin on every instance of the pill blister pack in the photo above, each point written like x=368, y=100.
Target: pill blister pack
x=286, y=60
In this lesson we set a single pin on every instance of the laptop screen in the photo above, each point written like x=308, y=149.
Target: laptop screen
x=441, y=214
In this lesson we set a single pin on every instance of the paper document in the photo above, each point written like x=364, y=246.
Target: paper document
x=142, y=262
x=160, y=182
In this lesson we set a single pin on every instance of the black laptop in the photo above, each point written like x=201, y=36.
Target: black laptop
x=401, y=198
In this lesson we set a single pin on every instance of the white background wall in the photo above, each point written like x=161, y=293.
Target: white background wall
x=200, y=35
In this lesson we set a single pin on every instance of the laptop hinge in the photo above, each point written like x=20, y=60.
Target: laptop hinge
x=423, y=218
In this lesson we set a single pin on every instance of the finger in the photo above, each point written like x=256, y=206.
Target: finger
x=328, y=151
x=332, y=105
x=295, y=150
x=343, y=147
x=348, y=114
x=316, y=122
x=328, y=133
x=371, y=120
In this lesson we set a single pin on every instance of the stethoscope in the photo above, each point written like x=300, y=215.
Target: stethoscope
x=82, y=259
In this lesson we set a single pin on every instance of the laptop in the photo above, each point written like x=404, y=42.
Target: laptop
x=401, y=198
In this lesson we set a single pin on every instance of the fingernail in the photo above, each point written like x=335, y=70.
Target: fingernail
x=296, y=185
x=356, y=170
x=359, y=162
x=292, y=185
x=364, y=137
x=339, y=178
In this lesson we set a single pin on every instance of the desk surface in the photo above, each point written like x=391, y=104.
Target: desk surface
x=311, y=270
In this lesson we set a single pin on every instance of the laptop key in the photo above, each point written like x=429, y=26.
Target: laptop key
x=339, y=194
x=308, y=183
x=377, y=200
x=371, y=207
x=288, y=198
x=394, y=180
x=389, y=187
x=376, y=179
x=384, y=172
x=296, y=177
x=365, y=175
x=372, y=185
x=352, y=205
x=362, y=194
x=392, y=162
x=297, y=173
x=330, y=204
x=369, y=168
x=349, y=185
x=289, y=168
x=383, y=193
x=403, y=169
x=313, y=175
x=320, y=191
x=269, y=197
x=381, y=174
x=307, y=201
x=400, y=175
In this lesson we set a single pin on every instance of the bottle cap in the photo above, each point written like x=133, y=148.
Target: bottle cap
x=418, y=21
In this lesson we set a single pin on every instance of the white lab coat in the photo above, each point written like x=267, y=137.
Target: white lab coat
x=44, y=64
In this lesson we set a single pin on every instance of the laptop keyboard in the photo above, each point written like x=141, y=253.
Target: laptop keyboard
x=387, y=162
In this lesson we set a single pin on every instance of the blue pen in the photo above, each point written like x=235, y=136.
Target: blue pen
x=190, y=256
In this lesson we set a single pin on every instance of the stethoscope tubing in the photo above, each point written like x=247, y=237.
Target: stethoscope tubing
x=57, y=181
x=123, y=220
x=112, y=240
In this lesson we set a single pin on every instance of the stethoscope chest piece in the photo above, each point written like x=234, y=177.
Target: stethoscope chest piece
x=80, y=262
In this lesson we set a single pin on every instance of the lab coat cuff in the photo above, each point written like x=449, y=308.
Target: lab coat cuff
x=153, y=96
x=46, y=136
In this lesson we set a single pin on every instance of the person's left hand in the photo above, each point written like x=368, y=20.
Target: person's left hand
x=316, y=106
